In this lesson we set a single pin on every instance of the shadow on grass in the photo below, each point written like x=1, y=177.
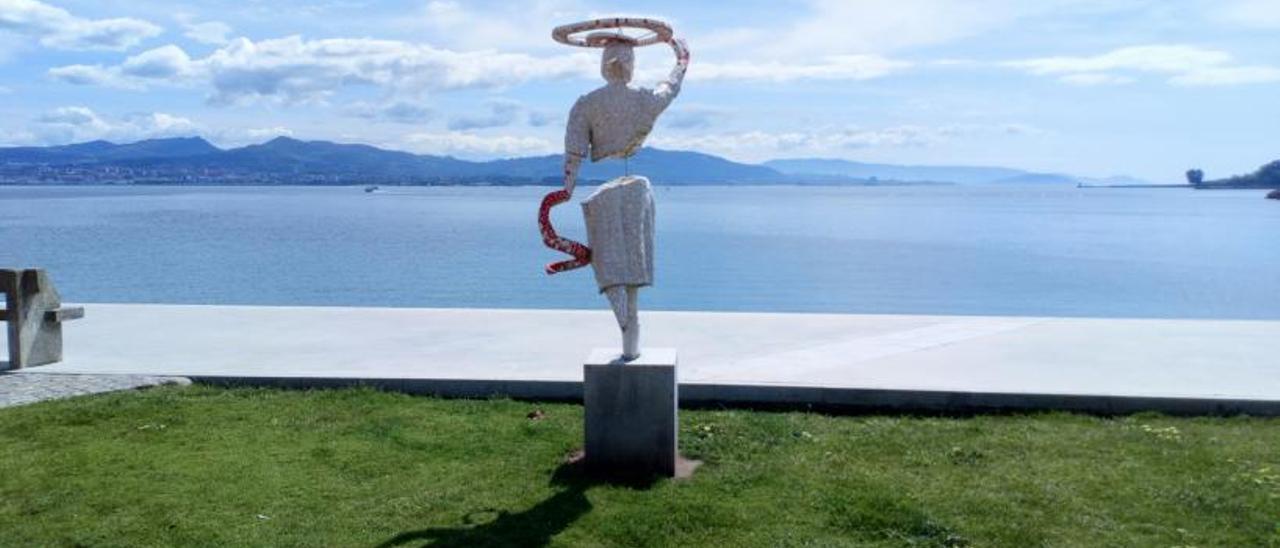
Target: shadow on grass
x=532, y=527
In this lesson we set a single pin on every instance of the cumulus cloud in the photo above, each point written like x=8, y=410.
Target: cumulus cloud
x=55, y=27
x=73, y=124
x=293, y=69
x=467, y=144
x=296, y=70
x=501, y=112
x=166, y=62
x=1181, y=64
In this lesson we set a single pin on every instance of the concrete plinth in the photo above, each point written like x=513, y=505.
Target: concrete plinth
x=631, y=417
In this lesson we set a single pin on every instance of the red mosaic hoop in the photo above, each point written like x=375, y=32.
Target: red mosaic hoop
x=657, y=32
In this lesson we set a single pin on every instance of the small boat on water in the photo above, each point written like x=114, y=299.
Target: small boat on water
x=372, y=188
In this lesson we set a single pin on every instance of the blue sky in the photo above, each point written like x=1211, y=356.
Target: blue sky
x=1088, y=87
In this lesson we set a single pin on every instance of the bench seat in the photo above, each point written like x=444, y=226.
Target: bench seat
x=64, y=314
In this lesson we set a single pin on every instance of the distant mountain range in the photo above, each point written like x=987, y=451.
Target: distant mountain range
x=283, y=160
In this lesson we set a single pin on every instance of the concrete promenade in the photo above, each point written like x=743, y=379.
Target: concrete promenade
x=930, y=363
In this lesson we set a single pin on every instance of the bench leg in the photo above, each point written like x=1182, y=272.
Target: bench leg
x=13, y=319
x=33, y=338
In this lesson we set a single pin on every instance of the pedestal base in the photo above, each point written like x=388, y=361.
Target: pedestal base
x=631, y=413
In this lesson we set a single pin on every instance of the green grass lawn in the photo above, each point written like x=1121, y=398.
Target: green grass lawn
x=202, y=466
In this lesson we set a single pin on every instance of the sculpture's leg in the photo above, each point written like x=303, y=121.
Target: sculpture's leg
x=631, y=333
x=623, y=301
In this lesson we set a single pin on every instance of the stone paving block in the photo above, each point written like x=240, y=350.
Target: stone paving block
x=23, y=388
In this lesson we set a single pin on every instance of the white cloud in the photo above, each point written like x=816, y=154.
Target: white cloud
x=467, y=144
x=231, y=137
x=1182, y=64
x=166, y=62
x=57, y=28
x=293, y=69
x=209, y=32
x=75, y=124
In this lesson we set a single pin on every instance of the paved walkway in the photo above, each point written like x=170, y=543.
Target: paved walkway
x=918, y=362
x=26, y=387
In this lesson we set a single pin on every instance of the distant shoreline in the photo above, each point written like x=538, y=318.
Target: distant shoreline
x=590, y=182
x=1133, y=186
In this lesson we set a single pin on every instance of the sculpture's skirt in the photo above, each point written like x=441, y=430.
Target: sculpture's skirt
x=619, y=219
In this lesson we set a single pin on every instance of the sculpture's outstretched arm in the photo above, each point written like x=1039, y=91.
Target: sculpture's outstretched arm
x=669, y=88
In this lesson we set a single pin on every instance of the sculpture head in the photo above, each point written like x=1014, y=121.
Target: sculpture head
x=618, y=62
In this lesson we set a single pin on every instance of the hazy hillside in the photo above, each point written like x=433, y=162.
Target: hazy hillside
x=285, y=160
x=667, y=166
x=859, y=170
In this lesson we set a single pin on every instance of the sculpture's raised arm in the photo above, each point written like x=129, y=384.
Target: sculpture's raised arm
x=668, y=89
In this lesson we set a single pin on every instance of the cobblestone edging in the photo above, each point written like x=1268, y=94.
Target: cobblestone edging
x=24, y=388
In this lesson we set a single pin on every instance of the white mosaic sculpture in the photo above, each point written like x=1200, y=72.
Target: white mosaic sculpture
x=612, y=122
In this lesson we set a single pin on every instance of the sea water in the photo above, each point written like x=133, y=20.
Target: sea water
x=1004, y=250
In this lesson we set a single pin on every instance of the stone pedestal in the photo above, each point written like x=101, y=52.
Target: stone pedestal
x=630, y=408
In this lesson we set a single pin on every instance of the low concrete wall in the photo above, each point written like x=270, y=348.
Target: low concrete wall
x=826, y=399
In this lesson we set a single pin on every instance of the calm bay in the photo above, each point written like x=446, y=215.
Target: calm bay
x=966, y=250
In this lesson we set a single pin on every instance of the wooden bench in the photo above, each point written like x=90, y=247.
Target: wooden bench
x=34, y=314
